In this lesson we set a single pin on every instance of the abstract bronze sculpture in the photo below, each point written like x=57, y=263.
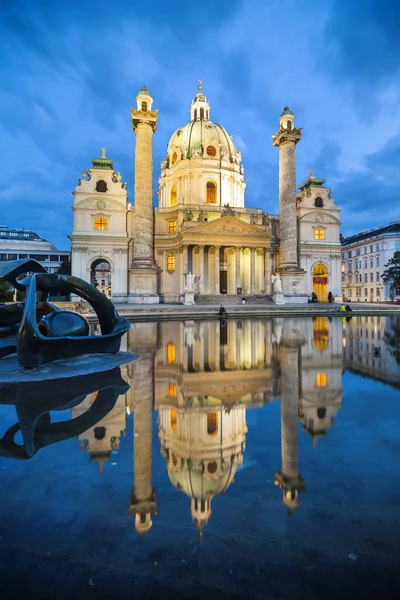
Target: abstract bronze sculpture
x=40, y=332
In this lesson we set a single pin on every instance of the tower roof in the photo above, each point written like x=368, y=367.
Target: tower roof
x=287, y=111
x=144, y=91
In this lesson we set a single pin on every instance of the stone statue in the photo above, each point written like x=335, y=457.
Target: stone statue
x=83, y=174
x=311, y=174
x=103, y=152
x=189, y=283
x=164, y=164
x=201, y=216
x=265, y=219
x=228, y=211
x=119, y=177
x=276, y=284
x=330, y=195
x=253, y=219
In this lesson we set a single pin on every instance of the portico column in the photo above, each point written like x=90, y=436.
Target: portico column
x=201, y=269
x=267, y=272
x=185, y=260
x=237, y=269
x=216, y=269
x=252, y=271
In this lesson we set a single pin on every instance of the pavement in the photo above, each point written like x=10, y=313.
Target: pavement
x=145, y=312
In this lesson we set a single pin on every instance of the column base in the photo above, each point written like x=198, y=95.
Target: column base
x=119, y=298
x=293, y=286
x=143, y=286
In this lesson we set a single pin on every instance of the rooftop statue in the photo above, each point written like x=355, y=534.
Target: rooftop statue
x=39, y=332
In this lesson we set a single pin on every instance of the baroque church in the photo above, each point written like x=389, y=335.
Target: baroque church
x=201, y=236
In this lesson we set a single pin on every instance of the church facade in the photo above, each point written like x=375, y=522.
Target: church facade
x=201, y=231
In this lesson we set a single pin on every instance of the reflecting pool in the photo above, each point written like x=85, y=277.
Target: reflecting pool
x=234, y=459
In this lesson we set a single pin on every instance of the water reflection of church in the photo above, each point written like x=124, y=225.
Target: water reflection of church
x=202, y=377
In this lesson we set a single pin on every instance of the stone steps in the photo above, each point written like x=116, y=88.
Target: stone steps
x=231, y=299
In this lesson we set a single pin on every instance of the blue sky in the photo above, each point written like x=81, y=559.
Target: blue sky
x=71, y=70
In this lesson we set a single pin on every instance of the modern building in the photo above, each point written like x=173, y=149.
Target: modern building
x=363, y=261
x=201, y=224
x=25, y=243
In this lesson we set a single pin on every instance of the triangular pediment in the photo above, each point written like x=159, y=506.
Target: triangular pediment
x=226, y=227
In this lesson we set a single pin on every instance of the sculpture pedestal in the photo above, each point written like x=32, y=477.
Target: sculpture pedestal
x=278, y=298
x=188, y=298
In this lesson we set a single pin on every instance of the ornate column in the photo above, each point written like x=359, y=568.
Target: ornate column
x=143, y=271
x=216, y=269
x=285, y=140
x=237, y=270
x=252, y=271
x=201, y=269
x=143, y=497
x=289, y=480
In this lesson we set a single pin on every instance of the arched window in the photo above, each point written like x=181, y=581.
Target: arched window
x=211, y=151
x=371, y=262
x=174, y=459
x=171, y=353
x=319, y=234
x=211, y=192
x=201, y=114
x=377, y=261
x=289, y=124
x=172, y=389
x=321, y=413
x=144, y=106
x=174, y=158
x=320, y=380
x=195, y=114
x=365, y=263
x=173, y=420
x=171, y=262
x=101, y=186
x=318, y=202
x=174, y=198
x=212, y=423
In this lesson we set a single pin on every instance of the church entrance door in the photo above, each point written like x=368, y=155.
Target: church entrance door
x=223, y=282
x=320, y=282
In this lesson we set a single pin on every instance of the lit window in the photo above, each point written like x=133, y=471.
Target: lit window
x=319, y=234
x=318, y=202
x=320, y=380
x=212, y=423
x=173, y=420
x=211, y=192
x=211, y=151
x=144, y=106
x=174, y=158
x=171, y=353
x=101, y=186
x=172, y=389
x=171, y=262
x=172, y=227
x=100, y=223
x=173, y=196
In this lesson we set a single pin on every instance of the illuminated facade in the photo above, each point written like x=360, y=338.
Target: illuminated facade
x=201, y=225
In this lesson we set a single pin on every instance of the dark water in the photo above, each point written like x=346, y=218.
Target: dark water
x=254, y=458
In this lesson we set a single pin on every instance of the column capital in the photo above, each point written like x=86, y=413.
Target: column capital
x=284, y=136
x=144, y=117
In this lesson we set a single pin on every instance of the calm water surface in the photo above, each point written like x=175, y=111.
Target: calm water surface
x=252, y=458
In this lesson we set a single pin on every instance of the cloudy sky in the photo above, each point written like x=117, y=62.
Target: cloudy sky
x=71, y=70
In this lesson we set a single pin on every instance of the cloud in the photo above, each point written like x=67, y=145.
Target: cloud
x=69, y=76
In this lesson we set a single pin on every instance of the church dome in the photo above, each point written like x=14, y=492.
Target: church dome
x=193, y=135
x=196, y=484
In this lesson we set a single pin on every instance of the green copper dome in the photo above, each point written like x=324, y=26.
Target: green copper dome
x=287, y=111
x=144, y=91
x=192, y=136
